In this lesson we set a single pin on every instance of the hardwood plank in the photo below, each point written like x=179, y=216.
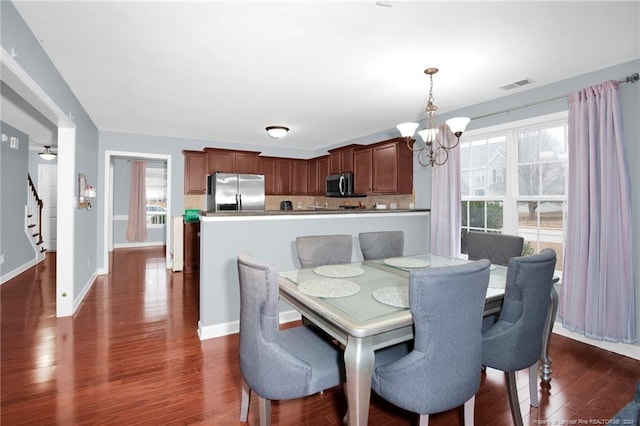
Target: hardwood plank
x=131, y=355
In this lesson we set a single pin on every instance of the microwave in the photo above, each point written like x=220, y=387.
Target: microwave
x=340, y=185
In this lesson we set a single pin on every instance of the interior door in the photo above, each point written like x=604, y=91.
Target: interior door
x=47, y=190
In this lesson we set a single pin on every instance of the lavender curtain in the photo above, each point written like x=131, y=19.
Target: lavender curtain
x=137, y=224
x=598, y=289
x=445, y=201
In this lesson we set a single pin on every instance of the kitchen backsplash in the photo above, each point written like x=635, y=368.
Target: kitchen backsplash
x=272, y=202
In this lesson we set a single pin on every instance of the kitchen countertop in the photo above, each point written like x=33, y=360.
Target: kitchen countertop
x=308, y=212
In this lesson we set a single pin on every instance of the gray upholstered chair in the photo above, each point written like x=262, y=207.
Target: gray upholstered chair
x=318, y=250
x=498, y=248
x=514, y=342
x=277, y=364
x=381, y=244
x=443, y=369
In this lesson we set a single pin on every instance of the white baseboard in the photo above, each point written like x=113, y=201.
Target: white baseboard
x=85, y=289
x=20, y=269
x=233, y=327
x=135, y=245
x=626, y=349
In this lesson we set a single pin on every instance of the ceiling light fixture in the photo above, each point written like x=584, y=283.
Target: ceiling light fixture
x=47, y=154
x=277, y=131
x=434, y=148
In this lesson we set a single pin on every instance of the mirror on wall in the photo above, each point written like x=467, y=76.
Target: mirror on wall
x=85, y=192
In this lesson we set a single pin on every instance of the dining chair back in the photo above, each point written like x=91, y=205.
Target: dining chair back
x=515, y=341
x=498, y=248
x=443, y=369
x=277, y=364
x=319, y=250
x=381, y=244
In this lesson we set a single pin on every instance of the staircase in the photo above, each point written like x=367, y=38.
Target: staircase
x=33, y=220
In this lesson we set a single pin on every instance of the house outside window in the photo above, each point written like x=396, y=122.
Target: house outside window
x=156, y=188
x=513, y=181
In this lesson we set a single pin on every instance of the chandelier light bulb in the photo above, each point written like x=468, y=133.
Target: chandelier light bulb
x=407, y=129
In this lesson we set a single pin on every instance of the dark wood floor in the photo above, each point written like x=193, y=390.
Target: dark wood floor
x=131, y=355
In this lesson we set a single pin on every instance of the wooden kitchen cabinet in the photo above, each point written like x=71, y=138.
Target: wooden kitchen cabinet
x=195, y=172
x=384, y=168
x=284, y=175
x=191, y=246
x=300, y=180
x=342, y=159
x=323, y=172
x=318, y=171
x=363, y=171
x=312, y=177
x=278, y=175
x=267, y=166
x=230, y=161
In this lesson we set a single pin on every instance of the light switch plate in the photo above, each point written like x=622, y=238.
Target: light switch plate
x=14, y=142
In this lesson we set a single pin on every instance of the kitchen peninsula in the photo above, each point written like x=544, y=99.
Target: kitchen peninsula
x=270, y=236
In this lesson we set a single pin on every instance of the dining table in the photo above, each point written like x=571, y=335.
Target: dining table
x=364, y=306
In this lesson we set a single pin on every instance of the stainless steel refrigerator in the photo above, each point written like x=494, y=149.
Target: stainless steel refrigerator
x=232, y=191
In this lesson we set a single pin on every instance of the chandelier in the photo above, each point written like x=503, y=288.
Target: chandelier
x=434, y=148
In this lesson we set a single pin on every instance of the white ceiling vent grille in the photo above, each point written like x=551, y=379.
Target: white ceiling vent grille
x=517, y=84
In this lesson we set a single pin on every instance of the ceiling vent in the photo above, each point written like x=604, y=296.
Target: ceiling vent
x=517, y=84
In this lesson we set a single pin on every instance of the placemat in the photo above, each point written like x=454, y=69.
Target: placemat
x=406, y=262
x=324, y=287
x=338, y=271
x=393, y=296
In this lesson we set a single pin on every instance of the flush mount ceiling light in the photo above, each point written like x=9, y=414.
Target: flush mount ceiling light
x=47, y=154
x=277, y=131
x=434, y=148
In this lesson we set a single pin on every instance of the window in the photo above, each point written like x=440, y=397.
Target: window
x=156, y=188
x=525, y=191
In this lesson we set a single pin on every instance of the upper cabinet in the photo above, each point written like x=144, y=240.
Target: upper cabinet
x=300, y=181
x=195, y=172
x=230, y=161
x=363, y=171
x=278, y=175
x=267, y=166
x=318, y=170
x=384, y=168
x=342, y=159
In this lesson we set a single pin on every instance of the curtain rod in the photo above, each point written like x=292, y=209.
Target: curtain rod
x=633, y=78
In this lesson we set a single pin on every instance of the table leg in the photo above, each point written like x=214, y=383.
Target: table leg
x=545, y=369
x=358, y=361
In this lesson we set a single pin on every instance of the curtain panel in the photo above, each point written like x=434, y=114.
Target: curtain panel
x=598, y=288
x=137, y=223
x=445, y=201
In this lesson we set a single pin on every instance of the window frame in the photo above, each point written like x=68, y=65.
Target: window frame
x=152, y=166
x=511, y=199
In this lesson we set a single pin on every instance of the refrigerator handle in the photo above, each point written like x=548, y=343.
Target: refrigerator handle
x=239, y=202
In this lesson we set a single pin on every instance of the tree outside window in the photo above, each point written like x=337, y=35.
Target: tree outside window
x=514, y=182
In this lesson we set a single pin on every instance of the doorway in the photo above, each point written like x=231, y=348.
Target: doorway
x=109, y=157
x=48, y=190
x=15, y=77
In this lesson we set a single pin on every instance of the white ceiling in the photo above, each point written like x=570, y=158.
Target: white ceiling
x=332, y=71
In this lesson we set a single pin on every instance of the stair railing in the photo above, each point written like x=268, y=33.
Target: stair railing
x=34, y=213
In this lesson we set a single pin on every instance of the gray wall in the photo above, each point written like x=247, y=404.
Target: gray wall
x=15, y=34
x=14, y=243
x=271, y=238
